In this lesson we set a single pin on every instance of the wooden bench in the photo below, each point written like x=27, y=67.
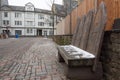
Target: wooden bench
x=82, y=56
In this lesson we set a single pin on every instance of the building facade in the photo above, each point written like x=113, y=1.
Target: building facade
x=25, y=20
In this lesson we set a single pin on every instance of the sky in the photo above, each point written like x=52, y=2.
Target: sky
x=42, y=4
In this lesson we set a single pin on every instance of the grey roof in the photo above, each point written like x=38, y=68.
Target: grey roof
x=70, y=5
x=16, y=8
x=60, y=10
x=43, y=11
x=22, y=9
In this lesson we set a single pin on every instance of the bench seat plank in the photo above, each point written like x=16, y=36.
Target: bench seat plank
x=75, y=57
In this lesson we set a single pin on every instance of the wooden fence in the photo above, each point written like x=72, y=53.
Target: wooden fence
x=81, y=10
x=113, y=11
x=112, y=7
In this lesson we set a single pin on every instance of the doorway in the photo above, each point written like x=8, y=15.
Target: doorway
x=39, y=32
x=19, y=32
x=45, y=33
x=6, y=32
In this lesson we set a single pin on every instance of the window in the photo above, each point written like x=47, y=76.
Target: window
x=30, y=23
x=51, y=17
x=5, y=14
x=30, y=8
x=40, y=16
x=29, y=30
x=40, y=23
x=5, y=22
x=18, y=15
x=50, y=24
x=18, y=22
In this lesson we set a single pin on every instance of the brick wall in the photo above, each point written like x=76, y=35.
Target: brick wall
x=111, y=55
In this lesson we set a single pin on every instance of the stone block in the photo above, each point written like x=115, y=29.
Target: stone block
x=117, y=40
x=114, y=35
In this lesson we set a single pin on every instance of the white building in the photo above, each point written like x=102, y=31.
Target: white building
x=25, y=21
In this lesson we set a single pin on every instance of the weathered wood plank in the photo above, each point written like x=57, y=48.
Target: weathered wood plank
x=97, y=32
x=80, y=31
x=86, y=30
x=76, y=31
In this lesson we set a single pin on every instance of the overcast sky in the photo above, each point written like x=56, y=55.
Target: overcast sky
x=42, y=4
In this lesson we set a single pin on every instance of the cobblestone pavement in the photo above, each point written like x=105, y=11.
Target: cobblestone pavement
x=29, y=59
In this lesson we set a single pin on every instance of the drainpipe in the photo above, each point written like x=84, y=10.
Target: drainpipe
x=53, y=23
x=53, y=15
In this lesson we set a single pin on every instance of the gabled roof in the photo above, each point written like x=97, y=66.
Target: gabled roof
x=29, y=3
x=12, y=8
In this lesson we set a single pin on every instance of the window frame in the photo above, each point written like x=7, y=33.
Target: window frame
x=18, y=22
x=18, y=15
x=6, y=22
x=5, y=14
x=41, y=23
x=29, y=30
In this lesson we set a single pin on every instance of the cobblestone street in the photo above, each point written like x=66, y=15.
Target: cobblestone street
x=29, y=59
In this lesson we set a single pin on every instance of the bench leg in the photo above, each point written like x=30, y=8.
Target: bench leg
x=60, y=59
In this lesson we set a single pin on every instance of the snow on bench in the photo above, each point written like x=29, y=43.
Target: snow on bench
x=75, y=56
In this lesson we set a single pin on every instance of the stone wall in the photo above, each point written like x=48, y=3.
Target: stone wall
x=63, y=39
x=110, y=56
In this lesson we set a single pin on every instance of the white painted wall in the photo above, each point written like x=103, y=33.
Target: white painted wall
x=24, y=18
x=28, y=15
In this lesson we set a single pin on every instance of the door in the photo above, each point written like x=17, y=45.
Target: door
x=19, y=32
x=45, y=33
x=39, y=32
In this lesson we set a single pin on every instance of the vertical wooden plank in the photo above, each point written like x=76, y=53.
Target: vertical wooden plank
x=97, y=32
x=74, y=19
x=76, y=31
x=79, y=34
x=86, y=30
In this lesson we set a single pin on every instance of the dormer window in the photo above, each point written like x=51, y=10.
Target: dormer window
x=29, y=7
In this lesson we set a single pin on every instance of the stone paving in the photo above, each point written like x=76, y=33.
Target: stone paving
x=29, y=59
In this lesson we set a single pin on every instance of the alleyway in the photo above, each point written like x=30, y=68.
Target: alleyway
x=29, y=59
